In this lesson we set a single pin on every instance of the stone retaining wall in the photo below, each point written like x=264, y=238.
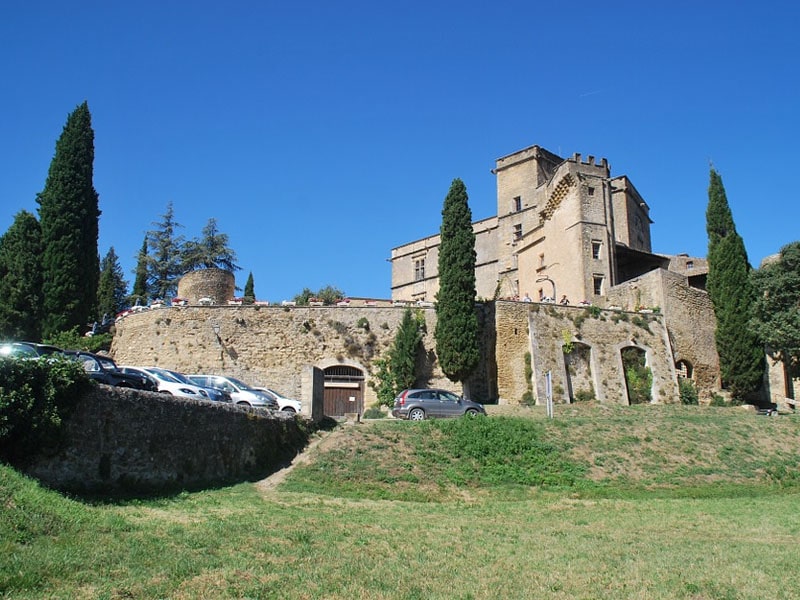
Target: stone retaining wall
x=131, y=442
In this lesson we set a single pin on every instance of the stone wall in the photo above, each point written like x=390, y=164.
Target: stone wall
x=270, y=345
x=689, y=317
x=131, y=442
x=545, y=330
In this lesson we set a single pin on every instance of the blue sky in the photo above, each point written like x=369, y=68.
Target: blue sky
x=322, y=134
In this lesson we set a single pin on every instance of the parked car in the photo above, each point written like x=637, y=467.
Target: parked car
x=240, y=392
x=285, y=404
x=103, y=369
x=167, y=384
x=419, y=404
x=28, y=350
x=214, y=394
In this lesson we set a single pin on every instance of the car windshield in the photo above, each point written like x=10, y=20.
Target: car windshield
x=165, y=376
x=239, y=384
x=179, y=376
x=107, y=363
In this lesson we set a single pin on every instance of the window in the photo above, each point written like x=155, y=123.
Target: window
x=517, y=204
x=596, y=246
x=419, y=269
x=517, y=232
x=690, y=264
x=541, y=261
x=597, y=281
x=590, y=191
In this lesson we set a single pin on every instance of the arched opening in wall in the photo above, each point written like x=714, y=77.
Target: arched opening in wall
x=683, y=368
x=638, y=376
x=577, y=363
x=344, y=391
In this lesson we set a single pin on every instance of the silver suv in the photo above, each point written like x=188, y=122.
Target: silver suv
x=240, y=392
x=416, y=405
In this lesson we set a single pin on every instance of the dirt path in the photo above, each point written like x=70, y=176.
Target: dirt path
x=322, y=441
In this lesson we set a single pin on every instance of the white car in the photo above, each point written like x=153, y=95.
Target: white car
x=240, y=392
x=286, y=404
x=167, y=384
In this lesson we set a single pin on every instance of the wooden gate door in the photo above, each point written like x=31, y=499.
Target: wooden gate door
x=344, y=391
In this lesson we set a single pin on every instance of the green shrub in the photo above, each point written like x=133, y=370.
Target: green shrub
x=717, y=400
x=72, y=340
x=374, y=412
x=585, y=395
x=688, y=393
x=363, y=323
x=528, y=399
x=35, y=397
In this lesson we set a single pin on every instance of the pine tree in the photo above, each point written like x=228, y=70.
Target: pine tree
x=249, y=290
x=211, y=251
x=456, y=321
x=112, y=289
x=165, y=258
x=139, y=293
x=69, y=214
x=21, y=279
x=741, y=355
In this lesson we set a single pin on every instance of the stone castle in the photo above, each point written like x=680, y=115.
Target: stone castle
x=565, y=228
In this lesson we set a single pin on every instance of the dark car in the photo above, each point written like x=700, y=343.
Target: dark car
x=103, y=369
x=28, y=350
x=416, y=405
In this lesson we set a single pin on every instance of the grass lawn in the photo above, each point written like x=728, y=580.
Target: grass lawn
x=601, y=502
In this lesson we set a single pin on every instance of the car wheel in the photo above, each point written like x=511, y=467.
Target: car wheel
x=471, y=412
x=416, y=414
x=289, y=410
x=243, y=403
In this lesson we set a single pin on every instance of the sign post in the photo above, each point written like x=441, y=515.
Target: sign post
x=549, y=393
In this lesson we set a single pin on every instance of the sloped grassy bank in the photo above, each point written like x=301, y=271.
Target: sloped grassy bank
x=591, y=451
x=601, y=504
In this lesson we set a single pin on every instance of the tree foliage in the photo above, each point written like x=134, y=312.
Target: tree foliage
x=21, y=279
x=112, y=290
x=165, y=256
x=139, y=294
x=457, y=323
x=776, y=309
x=327, y=295
x=741, y=355
x=249, y=290
x=69, y=214
x=397, y=370
x=210, y=251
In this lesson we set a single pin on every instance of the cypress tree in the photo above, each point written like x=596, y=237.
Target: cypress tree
x=456, y=322
x=21, y=279
x=139, y=292
x=69, y=214
x=112, y=288
x=249, y=290
x=741, y=355
x=403, y=356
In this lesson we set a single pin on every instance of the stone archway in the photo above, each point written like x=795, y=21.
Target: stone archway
x=638, y=375
x=344, y=390
x=577, y=363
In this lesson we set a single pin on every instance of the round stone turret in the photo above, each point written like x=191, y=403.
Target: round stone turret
x=207, y=286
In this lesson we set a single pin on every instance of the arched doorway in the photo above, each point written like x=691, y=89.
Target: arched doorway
x=344, y=390
x=638, y=376
x=577, y=362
